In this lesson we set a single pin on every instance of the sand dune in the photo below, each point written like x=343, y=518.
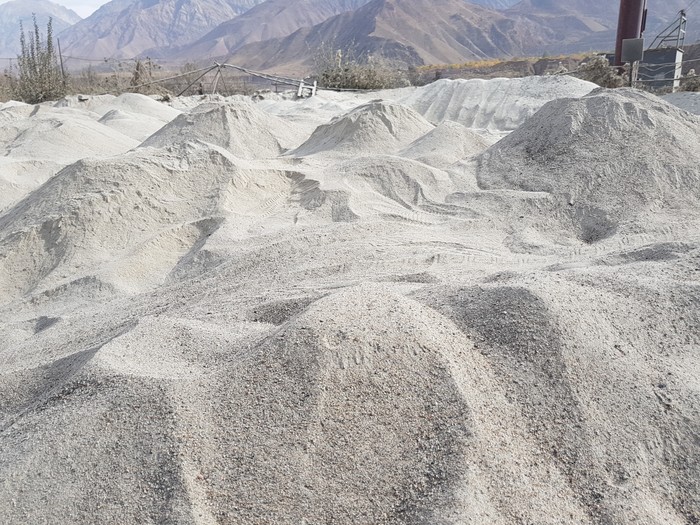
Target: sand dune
x=650, y=166
x=447, y=144
x=498, y=104
x=239, y=127
x=38, y=141
x=353, y=309
x=376, y=127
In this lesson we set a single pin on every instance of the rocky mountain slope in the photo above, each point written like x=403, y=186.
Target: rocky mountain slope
x=446, y=31
x=495, y=4
x=12, y=13
x=271, y=19
x=276, y=34
x=584, y=25
x=415, y=32
x=127, y=28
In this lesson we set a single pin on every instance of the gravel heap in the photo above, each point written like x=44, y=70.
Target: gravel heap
x=393, y=323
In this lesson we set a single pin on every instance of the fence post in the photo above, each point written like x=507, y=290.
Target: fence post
x=301, y=89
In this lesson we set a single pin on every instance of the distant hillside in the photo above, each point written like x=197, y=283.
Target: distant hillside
x=413, y=31
x=271, y=19
x=287, y=33
x=592, y=24
x=604, y=11
x=495, y=4
x=12, y=13
x=127, y=28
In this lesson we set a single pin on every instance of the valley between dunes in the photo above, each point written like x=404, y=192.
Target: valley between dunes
x=475, y=302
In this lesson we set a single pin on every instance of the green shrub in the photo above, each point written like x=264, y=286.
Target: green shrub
x=38, y=77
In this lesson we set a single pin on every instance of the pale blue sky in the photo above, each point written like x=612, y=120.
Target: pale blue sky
x=82, y=7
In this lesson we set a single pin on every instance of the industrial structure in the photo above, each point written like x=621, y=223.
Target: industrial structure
x=630, y=24
x=661, y=64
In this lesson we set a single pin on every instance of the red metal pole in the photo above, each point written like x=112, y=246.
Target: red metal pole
x=630, y=24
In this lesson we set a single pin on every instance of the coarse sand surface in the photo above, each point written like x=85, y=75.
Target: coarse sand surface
x=475, y=302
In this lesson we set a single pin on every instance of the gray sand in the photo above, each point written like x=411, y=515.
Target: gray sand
x=381, y=317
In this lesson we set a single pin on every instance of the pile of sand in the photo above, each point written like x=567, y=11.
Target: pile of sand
x=393, y=323
x=20, y=176
x=612, y=156
x=58, y=135
x=96, y=104
x=138, y=127
x=687, y=100
x=499, y=104
x=129, y=220
x=37, y=141
x=134, y=103
x=375, y=127
x=448, y=143
x=136, y=116
x=239, y=127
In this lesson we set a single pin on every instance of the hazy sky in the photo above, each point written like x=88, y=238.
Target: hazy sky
x=82, y=7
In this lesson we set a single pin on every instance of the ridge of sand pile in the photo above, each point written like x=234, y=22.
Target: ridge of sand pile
x=236, y=126
x=127, y=102
x=132, y=114
x=359, y=337
x=375, y=127
x=12, y=104
x=498, y=104
x=137, y=126
x=93, y=103
x=687, y=100
x=448, y=143
x=312, y=112
x=129, y=218
x=390, y=187
x=612, y=156
x=20, y=177
x=57, y=135
x=37, y=141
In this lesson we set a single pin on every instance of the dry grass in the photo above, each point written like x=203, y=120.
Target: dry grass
x=691, y=83
x=495, y=62
x=337, y=69
x=147, y=78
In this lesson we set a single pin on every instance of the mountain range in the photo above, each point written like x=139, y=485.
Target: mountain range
x=583, y=25
x=128, y=28
x=269, y=20
x=270, y=34
x=401, y=30
x=12, y=13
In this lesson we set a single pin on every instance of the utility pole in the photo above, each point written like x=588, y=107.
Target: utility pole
x=60, y=59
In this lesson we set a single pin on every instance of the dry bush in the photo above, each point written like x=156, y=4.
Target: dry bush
x=597, y=69
x=143, y=76
x=342, y=70
x=5, y=89
x=38, y=77
x=87, y=82
x=691, y=82
x=115, y=81
x=189, y=83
